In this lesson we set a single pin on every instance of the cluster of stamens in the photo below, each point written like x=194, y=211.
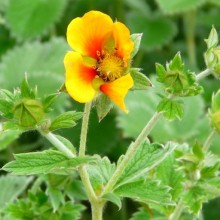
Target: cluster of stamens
x=110, y=66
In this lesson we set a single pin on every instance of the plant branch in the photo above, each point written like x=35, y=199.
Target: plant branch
x=203, y=74
x=58, y=144
x=82, y=148
x=178, y=210
x=208, y=141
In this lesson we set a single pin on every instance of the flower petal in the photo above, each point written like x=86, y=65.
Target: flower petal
x=122, y=39
x=116, y=90
x=79, y=78
x=88, y=34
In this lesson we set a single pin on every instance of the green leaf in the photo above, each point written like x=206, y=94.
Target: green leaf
x=136, y=38
x=179, y=6
x=48, y=101
x=103, y=105
x=157, y=30
x=111, y=197
x=6, y=108
x=141, y=82
x=212, y=40
x=30, y=19
x=147, y=191
x=146, y=158
x=211, y=188
x=71, y=211
x=11, y=187
x=43, y=162
x=176, y=63
x=26, y=91
x=161, y=72
x=30, y=59
x=171, y=109
x=168, y=173
x=100, y=172
x=65, y=120
x=194, y=199
x=56, y=197
x=7, y=137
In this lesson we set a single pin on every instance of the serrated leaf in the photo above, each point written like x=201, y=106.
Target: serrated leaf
x=170, y=176
x=30, y=19
x=43, y=162
x=136, y=38
x=71, y=211
x=100, y=172
x=103, y=105
x=7, y=137
x=141, y=82
x=11, y=188
x=171, y=109
x=146, y=158
x=147, y=191
x=30, y=58
x=178, y=6
x=26, y=91
x=56, y=197
x=194, y=199
x=211, y=188
x=6, y=108
x=212, y=40
x=157, y=30
x=111, y=197
x=65, y=120
x=176, y=63
x=161, y=72
x=48, y=101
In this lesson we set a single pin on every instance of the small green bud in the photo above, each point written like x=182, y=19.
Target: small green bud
x=215, y=111
x=28, y=112
x=176, y=79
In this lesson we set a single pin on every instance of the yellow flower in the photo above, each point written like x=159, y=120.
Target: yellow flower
x=101, y=58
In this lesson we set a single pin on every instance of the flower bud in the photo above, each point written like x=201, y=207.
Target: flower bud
x=28, y=112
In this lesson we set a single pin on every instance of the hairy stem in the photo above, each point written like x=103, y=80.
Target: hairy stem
x=96, y=207
x=203, y=74
x=131, y=151
x=58, y=144
x=178, y=210
x=208, y=141
x=84, y=130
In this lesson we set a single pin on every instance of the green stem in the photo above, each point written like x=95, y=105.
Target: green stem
x=131, y=151
x=58, y=144
x=84, y=130
x=189, y=28
x=203, y=74
x=209, y=141
x=96, y=207
x=178, y=210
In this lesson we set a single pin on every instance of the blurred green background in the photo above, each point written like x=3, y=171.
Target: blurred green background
x=33, y=41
